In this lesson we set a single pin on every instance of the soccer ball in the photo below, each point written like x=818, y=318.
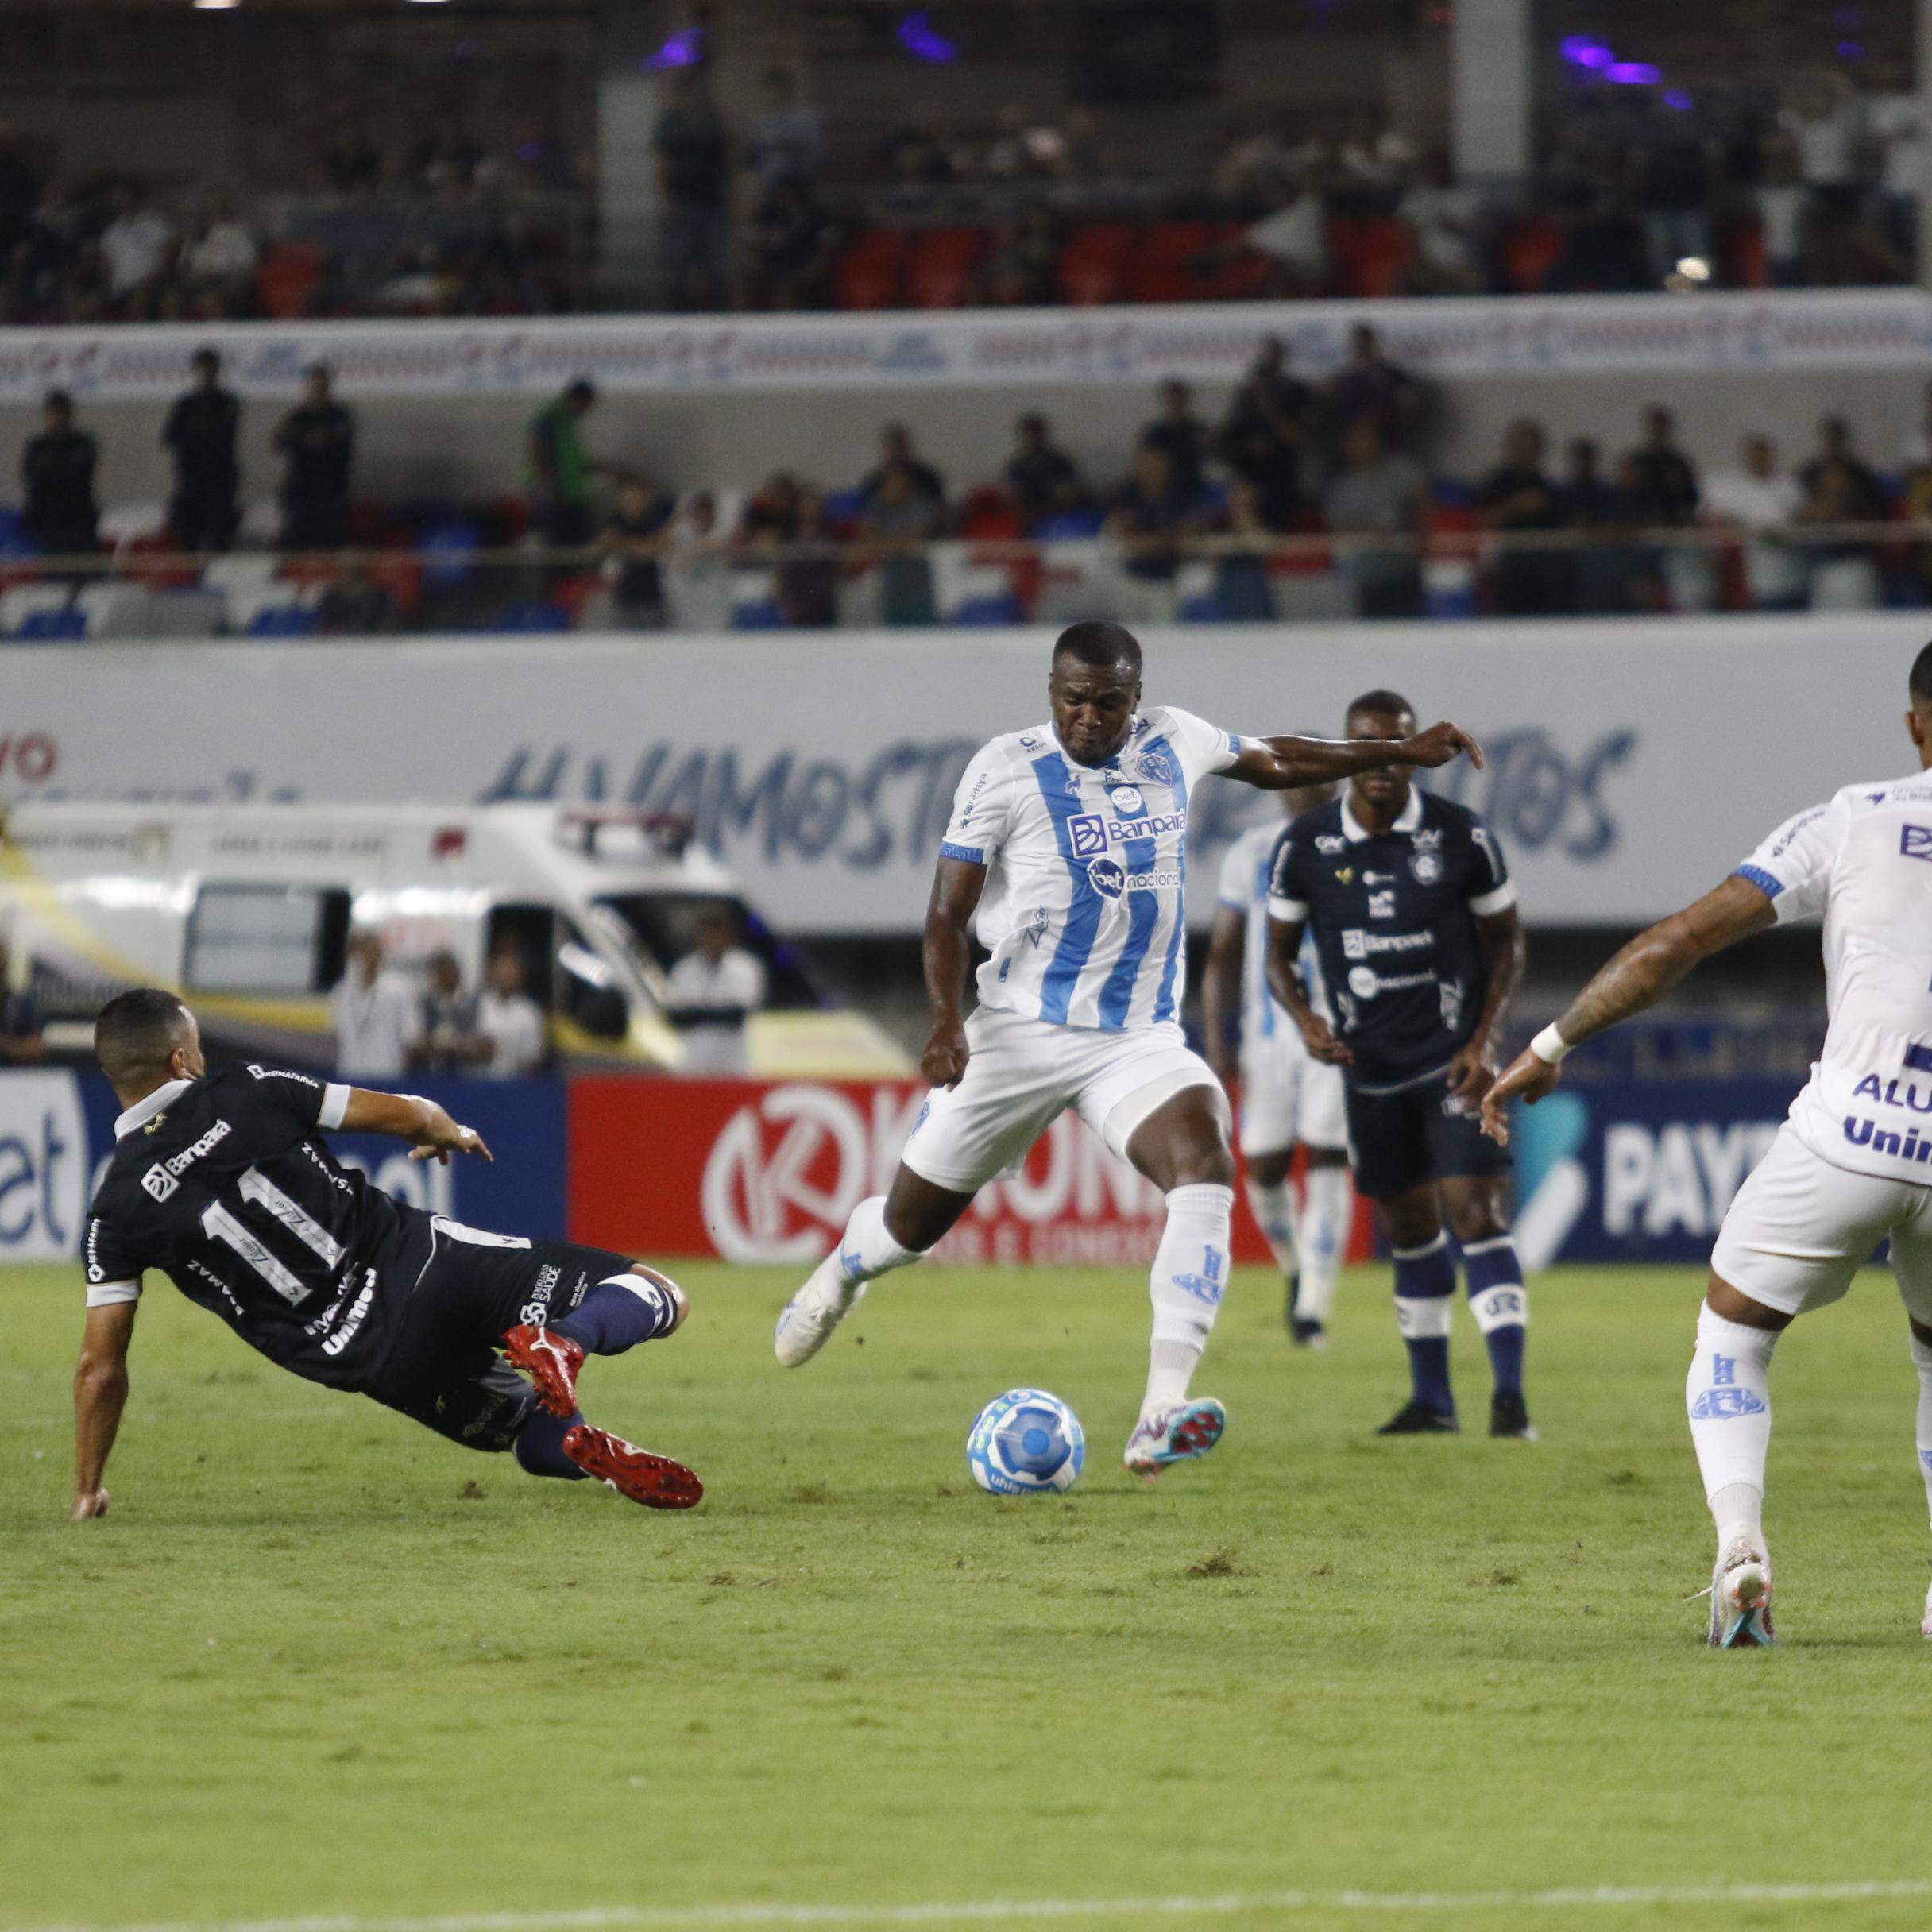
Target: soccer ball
x=1026, y=1443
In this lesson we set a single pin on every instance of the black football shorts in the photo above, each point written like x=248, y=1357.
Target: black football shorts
x=1399, y=1141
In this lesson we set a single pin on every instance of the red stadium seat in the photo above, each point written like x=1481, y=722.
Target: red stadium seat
x=871, y=270
x=1239, y=273
x=1172, y=263
x=1093, y=263
x=940, y=266
x=286, y=276
x=988, y=514
x=1385, y=252
x=1746, y=264
x=1532, y=252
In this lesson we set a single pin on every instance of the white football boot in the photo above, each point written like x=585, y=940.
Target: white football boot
x=808, y=1319
x=1741, y=1598
x=1176, y=1435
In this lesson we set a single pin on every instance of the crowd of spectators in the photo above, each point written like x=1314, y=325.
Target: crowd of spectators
x=444, y=228
x=1227, y=514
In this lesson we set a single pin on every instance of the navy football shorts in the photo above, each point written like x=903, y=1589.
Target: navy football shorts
x=1401, y=1140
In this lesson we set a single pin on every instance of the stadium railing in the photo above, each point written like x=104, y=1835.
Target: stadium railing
x=146, y=590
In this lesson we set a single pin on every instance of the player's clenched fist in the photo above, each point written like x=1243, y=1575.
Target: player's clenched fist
x=944, y=1061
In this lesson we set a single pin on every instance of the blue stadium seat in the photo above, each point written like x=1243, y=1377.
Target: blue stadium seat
x=445, y=553
x=537, y=614
x=52, y=626
x=1205, y=607
x=762, y=615
x=1071, y=523
x=282, y=620
x=993, y=610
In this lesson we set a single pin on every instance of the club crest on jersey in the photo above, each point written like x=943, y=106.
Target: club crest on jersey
x=1107, y=877
x=1156, y=767
x=1126, y=800
x=1426, y=868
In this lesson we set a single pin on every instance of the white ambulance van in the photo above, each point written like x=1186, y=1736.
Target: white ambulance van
x=247, y=910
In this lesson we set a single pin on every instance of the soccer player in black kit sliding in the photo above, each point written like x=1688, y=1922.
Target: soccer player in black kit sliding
x=1415, y=923
x=223, y=1182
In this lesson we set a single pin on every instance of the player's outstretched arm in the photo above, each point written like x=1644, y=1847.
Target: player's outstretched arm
x=100, y=1393
x=946, y=953
x=1280, y=764
x=1639, y=977
x=1285, y=983
x=435, y=1135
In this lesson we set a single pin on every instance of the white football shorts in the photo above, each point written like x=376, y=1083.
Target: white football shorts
x=1800, y=1228
x=1025, y=1072
x=1288, y=1097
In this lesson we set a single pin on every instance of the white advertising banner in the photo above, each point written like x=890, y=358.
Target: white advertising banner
x=1631, y=763
x=1565, y=335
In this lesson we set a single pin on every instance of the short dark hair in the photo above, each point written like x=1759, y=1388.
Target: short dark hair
x=582, y=390
x=205, y=358
x=1920, y=682
x=56, y=399
x=135, y=1033
x=1097, y=641
x=1380, y=703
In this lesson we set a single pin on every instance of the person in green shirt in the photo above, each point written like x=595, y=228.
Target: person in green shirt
x=561, y=468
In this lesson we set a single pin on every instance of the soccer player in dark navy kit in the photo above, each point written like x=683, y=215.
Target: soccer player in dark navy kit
x=224, y=1183
x=1415, y=923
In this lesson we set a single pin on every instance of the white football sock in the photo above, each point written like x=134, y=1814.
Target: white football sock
x=1728, y=1395
x=1922, y=1361
x=1274, y=1209
x=1188, y=1280
x=1327, y=1215
x=866, y=1250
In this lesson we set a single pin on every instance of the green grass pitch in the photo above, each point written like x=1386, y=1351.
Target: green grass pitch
x=319, y=1662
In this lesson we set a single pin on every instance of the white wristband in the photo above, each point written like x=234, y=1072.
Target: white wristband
x=1550, y=1046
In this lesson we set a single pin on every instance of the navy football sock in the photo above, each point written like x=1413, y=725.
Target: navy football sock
x=1425, y=1293
x=618, y=1313
x=1501, y=1305
x=538, y=1447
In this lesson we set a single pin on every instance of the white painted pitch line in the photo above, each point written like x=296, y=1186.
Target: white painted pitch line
x=1007, y=1911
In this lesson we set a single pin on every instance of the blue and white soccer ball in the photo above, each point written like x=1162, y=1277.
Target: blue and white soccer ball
x=1027, y=1442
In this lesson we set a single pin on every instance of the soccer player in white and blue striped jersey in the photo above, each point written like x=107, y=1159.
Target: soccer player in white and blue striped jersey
x=1066, y=852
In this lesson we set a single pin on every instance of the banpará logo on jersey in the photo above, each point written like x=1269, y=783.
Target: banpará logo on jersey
x=1126, y=800
x=1357, y=945
x=1089, y=834
x=1427, y=867
x=1915, y=842
x=164, y=1177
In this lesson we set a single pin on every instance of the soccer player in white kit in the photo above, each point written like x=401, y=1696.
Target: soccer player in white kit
x=1068, y=841
x=1852, y=1166
x=1289, y=1097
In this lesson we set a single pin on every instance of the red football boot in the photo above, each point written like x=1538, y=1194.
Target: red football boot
x=655, y=1481
x=550, y=1360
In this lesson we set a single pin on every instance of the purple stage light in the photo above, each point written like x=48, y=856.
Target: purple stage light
x=686, y=48
x=1633, y=73
x=923, y=42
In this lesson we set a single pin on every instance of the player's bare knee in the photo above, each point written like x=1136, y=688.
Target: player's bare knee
x=1411, y=1220
x=1269, y=1170
x=1733, y=1305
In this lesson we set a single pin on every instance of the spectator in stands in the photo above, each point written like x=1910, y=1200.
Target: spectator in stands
x=1781, y=200
x=1151, y=517
x=1021, y=269
x=199, y=433
x=375, y=1017
x=1373, y=388
x=316, y=440
x=1380, y=492
x=1448, y=221
x=694, y=176
x=634, y=540
x=218, y=260
x=561, y=468
x=509, y=1023
x=446, y=1040
x=1675, y=184
x=136, y=245
x=1180, y=435
x=697, y=567
x=1268, y=437
x=786, y=522
x=715, y=989
x=1862, y=491
x=898, y=521
x=1843, y=575
x=1895, y=126
x=895, y=451
x=786, y=139
x=1757, y=501
x=1822, y=121
x=56, y=475
x=790, y=249
x=1518, y=496
x=21, y=1039
x=1665, y=482
x=1041, y=479
x=1242, y=592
